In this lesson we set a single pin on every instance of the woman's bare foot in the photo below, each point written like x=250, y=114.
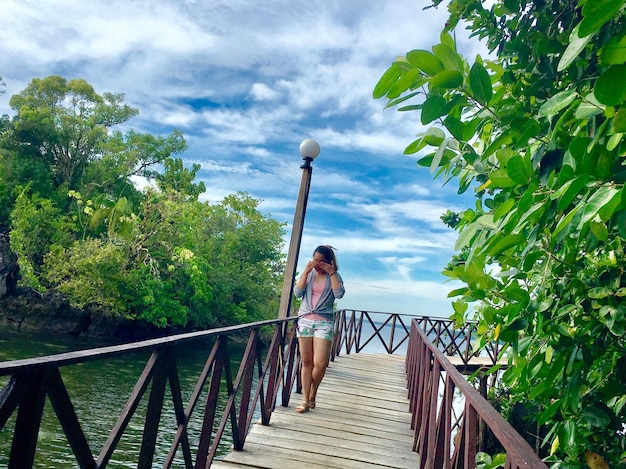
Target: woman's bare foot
x=302, y=408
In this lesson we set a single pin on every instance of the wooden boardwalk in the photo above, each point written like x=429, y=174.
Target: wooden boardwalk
x=361, y=420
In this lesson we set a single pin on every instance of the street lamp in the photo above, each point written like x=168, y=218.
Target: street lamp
x=309, y=149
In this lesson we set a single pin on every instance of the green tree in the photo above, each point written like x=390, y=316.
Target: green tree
x=64, y=122
x=36, y=225
x=177, y=178
x=246, y=247
x=79, y=226
x=178, y=262
x=61, y=141
x=537, y=132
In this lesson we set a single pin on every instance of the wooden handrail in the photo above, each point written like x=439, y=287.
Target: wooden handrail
x=265, y=373
x=257, y=382
x=453, y=341
x=442, y=441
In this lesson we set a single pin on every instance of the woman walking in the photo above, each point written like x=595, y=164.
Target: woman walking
x=318, y=287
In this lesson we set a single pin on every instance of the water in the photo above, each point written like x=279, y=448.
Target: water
x=99, y=390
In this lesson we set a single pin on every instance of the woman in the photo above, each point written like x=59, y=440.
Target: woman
x=318, y=287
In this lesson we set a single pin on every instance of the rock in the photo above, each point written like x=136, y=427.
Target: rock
x=9, y=269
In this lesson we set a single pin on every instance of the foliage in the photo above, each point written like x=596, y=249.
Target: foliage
x=63, y=122
x=90, y=272
x=79, y=226
x=537, y=130
x=179, y=179
x=484, y=461
x=36, y=225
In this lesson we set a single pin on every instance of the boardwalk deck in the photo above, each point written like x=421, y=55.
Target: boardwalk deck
x=361, y=420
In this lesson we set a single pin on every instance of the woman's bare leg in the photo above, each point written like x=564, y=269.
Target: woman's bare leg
x=321, y=352
x=306, y=375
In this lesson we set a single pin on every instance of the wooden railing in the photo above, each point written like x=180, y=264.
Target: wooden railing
x=392, y=330
x=267, y=370
x=443, y=439
x=263, y=371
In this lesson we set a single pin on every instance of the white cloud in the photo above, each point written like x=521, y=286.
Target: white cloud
x=262, y=92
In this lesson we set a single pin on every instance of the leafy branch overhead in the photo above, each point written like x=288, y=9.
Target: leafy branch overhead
x=536, y=129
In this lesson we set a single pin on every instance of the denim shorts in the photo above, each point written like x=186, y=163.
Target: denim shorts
x=319, y=328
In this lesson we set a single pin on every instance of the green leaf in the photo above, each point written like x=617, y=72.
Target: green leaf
x=599, y=230
x=425, y=61
x=486, y=221
x=564, y=222
x=458, y=292
x=466, y=236
x=411, y=107
x=507, y=242
x=500, y=179
x=415, y=146
x=433, y=108
x=596, y=417
x=610, y=88
x=614, y=51
x=528, y=130
x=438, y=155
x=447, y=39
x=574, y=48
x=600, y=292
x=596, y=202
x=543, y=386
x=385, y=82
x=589, y=107
x=503, y=209
x=557, y=102
x=549, y=412
x=480, y=84
x=607, y=211
x=615, y=139
x=405, y=82
x=531, y=214
x=445, y=80
x=395, y=102
x=619, y=122
x=455, y=126
x=449, y=58
x=517, y=171
x=572, y=189
x=596, y=13
x=433, y=136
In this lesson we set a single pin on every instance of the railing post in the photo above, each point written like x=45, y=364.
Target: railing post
x=28, y=422
x=153, y=413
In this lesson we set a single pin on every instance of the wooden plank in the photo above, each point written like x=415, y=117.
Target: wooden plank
x=361, y=420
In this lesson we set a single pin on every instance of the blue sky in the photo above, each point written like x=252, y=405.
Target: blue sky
x=247, y=81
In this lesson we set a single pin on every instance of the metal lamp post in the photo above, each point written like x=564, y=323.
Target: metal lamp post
x=309, y=149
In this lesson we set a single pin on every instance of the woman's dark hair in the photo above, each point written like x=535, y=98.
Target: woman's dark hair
x=328, y=253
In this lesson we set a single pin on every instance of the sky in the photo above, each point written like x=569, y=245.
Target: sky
x=247, y=81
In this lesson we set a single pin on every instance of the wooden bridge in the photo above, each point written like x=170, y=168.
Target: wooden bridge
x=361, y=420
x=388, y=410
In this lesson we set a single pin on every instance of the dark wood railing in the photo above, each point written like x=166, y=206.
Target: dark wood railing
x=443, y=439
x=392, y=330
x=267, y=370
x=263, y=371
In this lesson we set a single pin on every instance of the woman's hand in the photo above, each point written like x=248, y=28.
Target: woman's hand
x=310, y=266
x=328, y=268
